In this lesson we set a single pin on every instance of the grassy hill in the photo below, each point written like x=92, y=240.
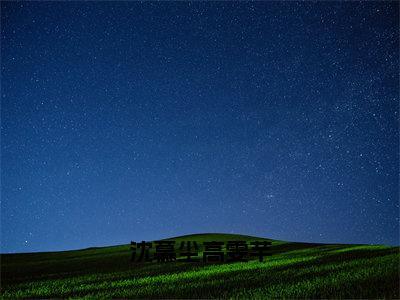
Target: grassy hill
x=295, y=270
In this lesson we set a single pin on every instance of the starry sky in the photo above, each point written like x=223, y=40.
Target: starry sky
x=139, y=121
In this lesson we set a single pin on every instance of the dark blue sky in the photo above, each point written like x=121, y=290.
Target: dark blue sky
x=126, y=121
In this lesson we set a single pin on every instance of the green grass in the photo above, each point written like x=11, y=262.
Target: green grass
x=295, y=270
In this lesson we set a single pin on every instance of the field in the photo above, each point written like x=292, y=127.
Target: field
x=295, y=270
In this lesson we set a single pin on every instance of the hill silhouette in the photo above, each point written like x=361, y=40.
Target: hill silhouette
x=295, y=270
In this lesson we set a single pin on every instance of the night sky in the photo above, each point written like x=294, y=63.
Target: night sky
x=138, y=121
